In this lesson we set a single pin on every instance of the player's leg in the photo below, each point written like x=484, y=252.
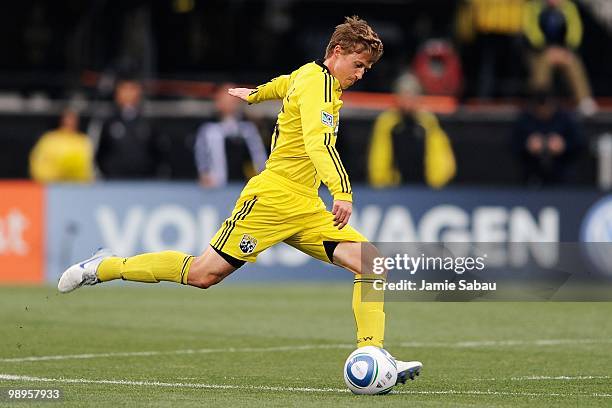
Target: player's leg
x=321, y=240
x=349, y=249
x=208, y=269
x=153, y=267
x=202, y=271
x=368, y=303
x=253, y=226
x=211, y=268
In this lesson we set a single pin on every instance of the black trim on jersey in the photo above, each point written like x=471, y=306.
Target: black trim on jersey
x=346, y=180
x=227, y=224
x=329, y=81
x=185, y=262
x=327, y=143
x=337, y=164
x=276, y=133
x=238, y=217
x=235, y=262
x=254, y=91
x=325, y=89
x=320, y=63
x=368, y=280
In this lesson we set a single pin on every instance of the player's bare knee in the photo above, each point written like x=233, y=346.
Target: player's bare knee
x=206, y=281
x=198, y=274
x=355, y=256
x=369, y=253
x=208, y=269
x=209, y=281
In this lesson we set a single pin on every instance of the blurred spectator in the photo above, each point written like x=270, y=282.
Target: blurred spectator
x=546, y=140
x=554, y=30
x=231, y=148
x=492, y=29
x=408, y=145
x=128, y=145
x=63, y=154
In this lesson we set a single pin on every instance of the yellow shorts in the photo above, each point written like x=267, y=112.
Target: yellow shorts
x=273, y=209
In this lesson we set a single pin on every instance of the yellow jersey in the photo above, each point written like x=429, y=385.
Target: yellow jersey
x=304, y=138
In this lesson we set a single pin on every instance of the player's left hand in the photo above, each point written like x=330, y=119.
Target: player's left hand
x=342, y=211
x=241, y=93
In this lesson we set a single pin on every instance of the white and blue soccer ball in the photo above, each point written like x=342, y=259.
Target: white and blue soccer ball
x=370, y=370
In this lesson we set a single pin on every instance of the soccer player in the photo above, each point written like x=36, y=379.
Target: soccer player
x=282, y=204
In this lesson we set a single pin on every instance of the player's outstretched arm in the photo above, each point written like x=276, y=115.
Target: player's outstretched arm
x=242, y=93
x=273, y=89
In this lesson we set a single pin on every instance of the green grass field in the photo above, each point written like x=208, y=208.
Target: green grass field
x=284, y=345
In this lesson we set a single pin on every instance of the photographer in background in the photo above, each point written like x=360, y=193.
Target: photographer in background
x=546, y=140
x=129, y=146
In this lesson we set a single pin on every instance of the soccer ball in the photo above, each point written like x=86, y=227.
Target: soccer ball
x=370, y=370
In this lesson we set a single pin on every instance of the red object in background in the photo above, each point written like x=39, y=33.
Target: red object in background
x=359, y=100
x=21, y=232
x=438, y=68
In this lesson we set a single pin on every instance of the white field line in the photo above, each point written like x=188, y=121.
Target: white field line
x=25, y=378
x=461, y=344
x=546, y=378
x=562, y=377
x=179, y=352
x=507, y=343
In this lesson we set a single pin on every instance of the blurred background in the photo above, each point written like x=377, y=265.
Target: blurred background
x=485, y=120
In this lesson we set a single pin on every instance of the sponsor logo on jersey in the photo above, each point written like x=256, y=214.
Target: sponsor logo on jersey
x=248, y=244
x=327, y=119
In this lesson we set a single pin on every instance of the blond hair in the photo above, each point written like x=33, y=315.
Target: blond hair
x=355, y=36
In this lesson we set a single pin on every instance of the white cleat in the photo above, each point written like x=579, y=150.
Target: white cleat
x=407, y=369
x=82, y=273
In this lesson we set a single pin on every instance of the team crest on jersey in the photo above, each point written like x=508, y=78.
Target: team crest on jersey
x=327, y=119
x=247, y=244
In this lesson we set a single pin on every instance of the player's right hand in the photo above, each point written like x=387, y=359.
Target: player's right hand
x=342, y=211
x=241, y=93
